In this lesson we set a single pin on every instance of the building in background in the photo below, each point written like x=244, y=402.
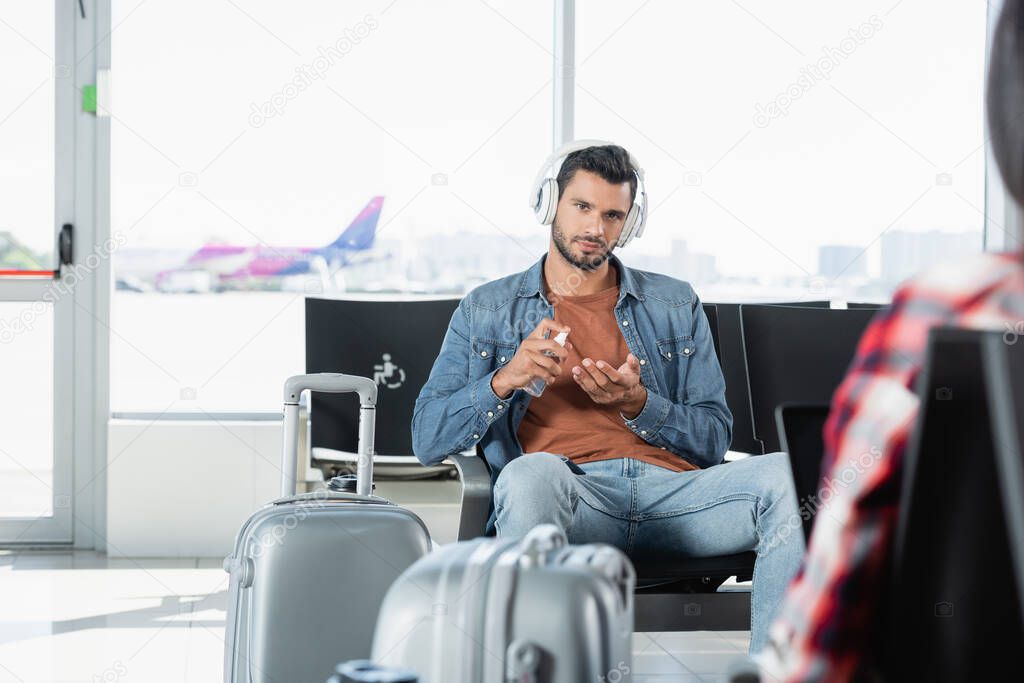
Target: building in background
x=840, y=260
x=691, y=266
x=905, y=253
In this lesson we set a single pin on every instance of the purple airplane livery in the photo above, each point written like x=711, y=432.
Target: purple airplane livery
x=225, y=264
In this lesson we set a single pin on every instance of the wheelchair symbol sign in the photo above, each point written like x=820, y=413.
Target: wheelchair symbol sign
x=388, y=374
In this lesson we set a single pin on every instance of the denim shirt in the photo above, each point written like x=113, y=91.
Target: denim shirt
x=664, y=326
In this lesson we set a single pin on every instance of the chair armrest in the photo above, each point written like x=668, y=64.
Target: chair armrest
x=476, y=495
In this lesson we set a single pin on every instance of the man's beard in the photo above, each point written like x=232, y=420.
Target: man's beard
x=587, y=263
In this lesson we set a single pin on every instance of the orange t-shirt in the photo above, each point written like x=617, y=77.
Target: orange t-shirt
x=564, y=420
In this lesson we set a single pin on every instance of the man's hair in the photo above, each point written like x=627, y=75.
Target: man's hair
x=609, y=162
x=1005, y=97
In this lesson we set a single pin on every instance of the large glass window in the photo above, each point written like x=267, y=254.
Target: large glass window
x=263, y=151
x=38, y=175
x=798, y=150
x=802, y=150
x=26, y=449
x=27, y=138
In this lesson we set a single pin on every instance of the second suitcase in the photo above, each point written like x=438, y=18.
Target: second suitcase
x=491, y=611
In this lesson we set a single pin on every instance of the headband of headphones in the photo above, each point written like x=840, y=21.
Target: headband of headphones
x=544, y=191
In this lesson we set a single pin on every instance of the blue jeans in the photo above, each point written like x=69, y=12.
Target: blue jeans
x=644, y=509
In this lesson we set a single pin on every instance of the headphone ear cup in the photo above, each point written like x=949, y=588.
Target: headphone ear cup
x=641, y=221
x=537, y=202
x=546, y=206
x=628, y=227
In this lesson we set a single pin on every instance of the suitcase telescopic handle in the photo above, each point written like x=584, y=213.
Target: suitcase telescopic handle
x=330, y=383
x=535, y=549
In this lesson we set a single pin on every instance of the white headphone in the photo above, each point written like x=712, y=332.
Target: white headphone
x=544, y=191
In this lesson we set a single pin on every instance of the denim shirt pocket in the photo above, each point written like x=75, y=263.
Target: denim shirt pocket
x=675, y=353
x=676, y=349
x=489, y=354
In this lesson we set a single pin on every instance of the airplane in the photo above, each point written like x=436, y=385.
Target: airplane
x=224, y=266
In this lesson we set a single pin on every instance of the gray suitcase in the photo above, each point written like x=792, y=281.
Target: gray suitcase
x=309, y=571
x=490, y=611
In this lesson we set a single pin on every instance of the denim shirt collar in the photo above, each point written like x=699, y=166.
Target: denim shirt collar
x=531, y=283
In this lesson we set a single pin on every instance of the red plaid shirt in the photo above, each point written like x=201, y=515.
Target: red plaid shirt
x=828, y=616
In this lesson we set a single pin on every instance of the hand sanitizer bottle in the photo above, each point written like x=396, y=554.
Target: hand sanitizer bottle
x=536, y=386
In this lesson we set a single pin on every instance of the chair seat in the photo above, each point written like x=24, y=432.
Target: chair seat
x=668, y=568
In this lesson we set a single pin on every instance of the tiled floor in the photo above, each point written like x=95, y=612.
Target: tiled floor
x=80, y=616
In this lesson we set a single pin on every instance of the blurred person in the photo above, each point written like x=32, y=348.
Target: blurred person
x=831, y=612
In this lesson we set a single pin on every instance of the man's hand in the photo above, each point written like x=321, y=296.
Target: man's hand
x=608, y=386
x=531, y=360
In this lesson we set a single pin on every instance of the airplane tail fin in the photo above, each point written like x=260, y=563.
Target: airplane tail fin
x=360, y=233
